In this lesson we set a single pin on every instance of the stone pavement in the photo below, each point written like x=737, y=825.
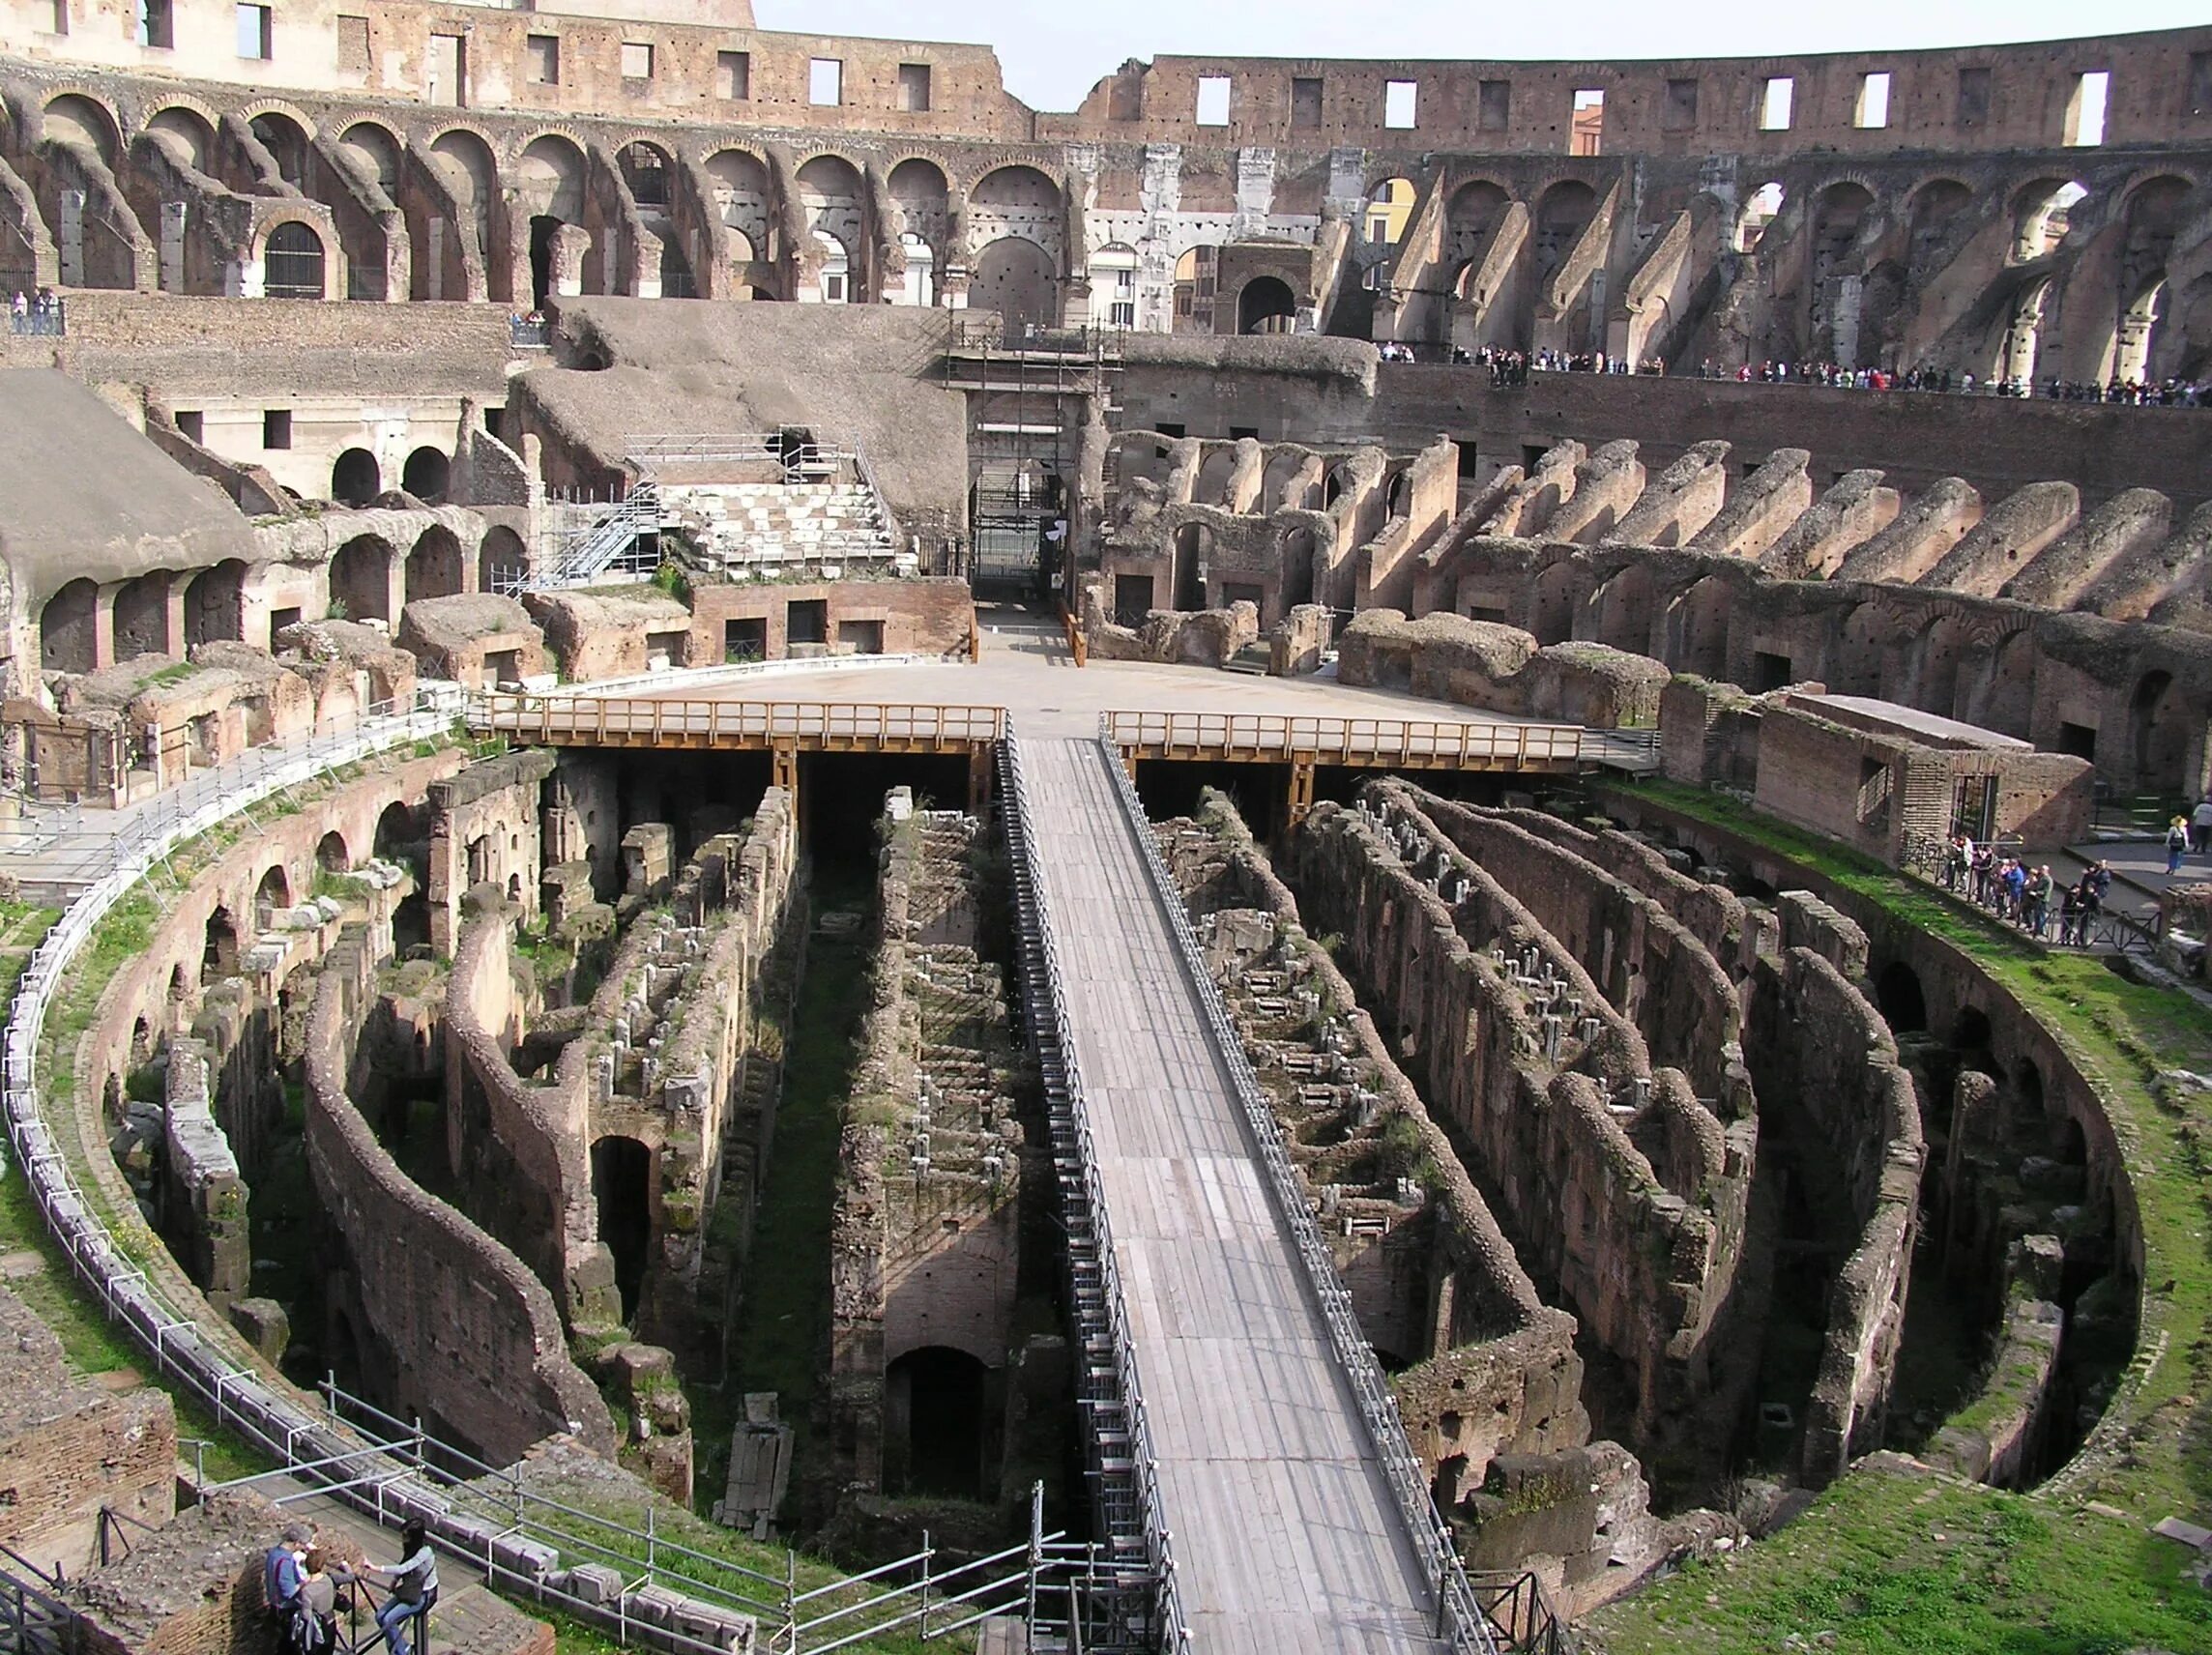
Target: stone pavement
x=2138, y=871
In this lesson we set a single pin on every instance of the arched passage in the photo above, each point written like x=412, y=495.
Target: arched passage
x=218, y=952
x=1389, y=205
x=622, y=1175
x=502, y=561
x=425, y=473
x=1904, y=1003
x=2160, y=730
x=292, y=262
x=361, y=579
x=186, y=136
x=274, y=892
x=355, y=480
x=1266, y=306
x=1190, y=546
x=287, y=145
x=1014, y=276
x=67, y=624
x=332, y=856
x=142, y=616
x=215, y=604
x=82, y=123
x=934, y=1414
x=434, y=564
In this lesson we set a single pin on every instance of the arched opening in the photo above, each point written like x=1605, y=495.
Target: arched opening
x=1553, y=621
x=1266, y=306
x=2159, y=728
x=1389, y=205
x=287, y=145
x=219, y=954
x=549, y=184
x=142, y=616
x=503, y=561
x=434, y=564
x=274, y=892
x=185, y=135
x=332, y=856
x=2040, y=214
x=360, y=580
x=1196, y=273
x=83, y=124
x=355, y=480
x=1443, y=1486
x=1297, y=565
x=398, y=834
x=933, y=1424
x=1190, y=544
x=1897, y=994
x=1015, y=277
x=1936, y=209
x=1698, y=629
x=411, y=927
x=215, y=603
x=1212, y=486
x=1971, y=1039
x=1562, y=214
x=836, y=285
x=1759, y=209
x=738, y=181
x=292, y=262
x=543, y=228
x=1113, y=277
x=1625, y=610
x=1471, y=221
x=463, y=163
x=622, y=1189
x=646, y=169
x=424, y=474
x=374, y=154
x=67, y=629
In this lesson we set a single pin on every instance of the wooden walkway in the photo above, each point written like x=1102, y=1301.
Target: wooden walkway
x=1286, y=1536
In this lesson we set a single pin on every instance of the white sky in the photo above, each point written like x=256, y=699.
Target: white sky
x=1053, y=52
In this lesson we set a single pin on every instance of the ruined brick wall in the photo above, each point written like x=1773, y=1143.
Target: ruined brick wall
x=1644, y=960
x=485, y=831
x=925, y=616
x=1647, y=1271
x=1491, y=1369
x=1822, y=1050
x=70, y=1449
x=468, y=1336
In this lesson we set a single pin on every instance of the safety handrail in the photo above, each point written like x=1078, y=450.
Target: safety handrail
x=1343, y=739
x=1460, y=1616
x=525, y=715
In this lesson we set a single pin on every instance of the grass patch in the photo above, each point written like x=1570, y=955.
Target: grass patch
x=2021, y=1575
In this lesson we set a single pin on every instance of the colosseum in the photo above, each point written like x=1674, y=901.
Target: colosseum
x=1349, y=856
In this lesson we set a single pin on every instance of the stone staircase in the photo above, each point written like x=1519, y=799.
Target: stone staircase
x=770, y=529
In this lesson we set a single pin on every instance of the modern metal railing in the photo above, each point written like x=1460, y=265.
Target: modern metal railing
x=1369, y=741
x=587, y=720
x=1459, y=1619
x=1117, y=1436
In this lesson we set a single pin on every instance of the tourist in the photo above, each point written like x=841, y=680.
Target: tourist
x=281, y=1573
x=2201, y=820
x=2176, y=843
x=413, y=1583
x=2015, y=889
x=2069, y=916
x=2038, y=911
x=1959, y=862
x=314, y=1627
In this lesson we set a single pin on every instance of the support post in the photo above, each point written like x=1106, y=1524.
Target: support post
x=1302, y=767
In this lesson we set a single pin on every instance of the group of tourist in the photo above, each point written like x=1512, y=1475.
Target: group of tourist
x=2026, y=896
x=2132, y=392
x=47, y=313
x=302, y=1585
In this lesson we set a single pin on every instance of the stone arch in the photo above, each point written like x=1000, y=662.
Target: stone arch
x=66, y=628
x=425, y=475
x=331, y=855
x=2002, y=694
x=1934, y=210
x=434, y=564
x=503, y=561
x=1298, y=554
x=935, y=1418
x=355, y=477
x=257, y=107
x=922, y=197
x=1761, y=207
x=286, y=141
x=550, y=178
x=1936, y=653
x=1864, y=658
x=215, y=604
x=186, y=133
x=1903, y=1003
x=1016, y=277
x=1697, y=628
x=737, y=183
x=1471, y=219
x=1554, y=600
x=360, y=578
x=650, y=172
x=1563, y=214
x=219, y=949
x=1283, y=466
x=1624, y=607
x=2042, y=211
x=374, y=152
x=1388, y=209
x=141, y=616
x=83, y=121
x=1265, y=305
x=295, y=264
x=273, y=891
x=467, y=167
x=2162, y=730
x=1017, y=203
x=1211, y=487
